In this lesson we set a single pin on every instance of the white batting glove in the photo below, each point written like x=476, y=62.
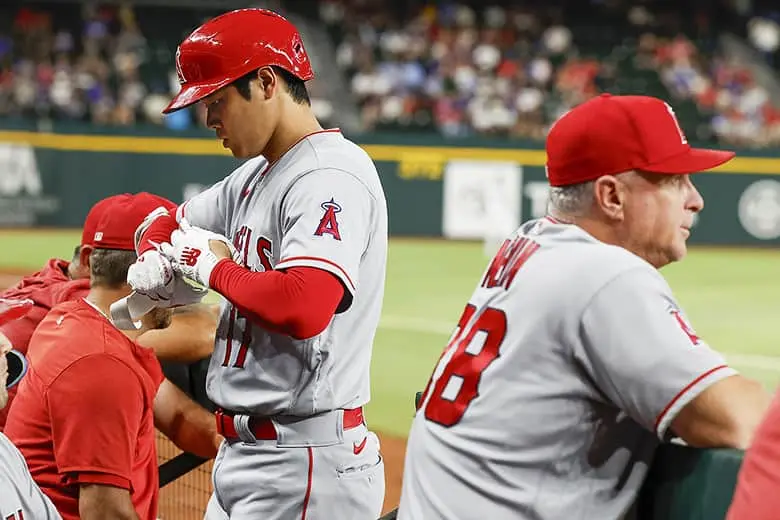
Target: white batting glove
x=152, y=275
x=190, y=253
x=127, y=312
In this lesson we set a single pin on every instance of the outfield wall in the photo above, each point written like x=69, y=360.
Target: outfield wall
x=434, y=187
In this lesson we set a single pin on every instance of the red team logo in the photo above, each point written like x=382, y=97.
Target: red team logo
x=189, y=256
x=328, y=223
x=179, y=71
x=685, y=326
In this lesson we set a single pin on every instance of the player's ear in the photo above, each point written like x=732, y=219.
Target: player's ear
x=609, y=194
x=267, y=82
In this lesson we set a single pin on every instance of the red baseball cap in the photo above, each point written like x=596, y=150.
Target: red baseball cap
x=119, y=220
x=93, y=217
x=610, y=134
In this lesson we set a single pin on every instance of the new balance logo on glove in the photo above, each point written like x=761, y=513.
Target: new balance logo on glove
x=189, y=256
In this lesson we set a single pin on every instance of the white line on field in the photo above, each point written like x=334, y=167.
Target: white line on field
x=417, y=324
x=409, y=323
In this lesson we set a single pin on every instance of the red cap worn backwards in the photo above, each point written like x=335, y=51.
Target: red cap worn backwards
x=93, y=218
x=119, y=220
x=610, y=134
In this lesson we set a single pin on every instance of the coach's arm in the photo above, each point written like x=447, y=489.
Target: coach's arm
x=99, y=502
x=190, y=426
x=725, y=415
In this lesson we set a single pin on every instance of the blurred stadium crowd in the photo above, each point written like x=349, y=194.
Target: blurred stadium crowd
x=490, y=68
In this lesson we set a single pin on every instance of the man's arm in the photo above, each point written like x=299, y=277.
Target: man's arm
x=725, y=415
x=647, y=359
x=190, y=336
x=100, y=502
x=190, y=426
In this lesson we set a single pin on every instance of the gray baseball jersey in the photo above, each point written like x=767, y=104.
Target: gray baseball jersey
x=321, y=205
x=20, y=496
x=567, y=367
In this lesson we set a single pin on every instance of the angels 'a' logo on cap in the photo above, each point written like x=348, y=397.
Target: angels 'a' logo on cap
x=676, y=123
x=179, y=72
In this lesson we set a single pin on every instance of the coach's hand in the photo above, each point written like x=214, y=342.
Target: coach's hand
x=194, y=252
x=152, y=275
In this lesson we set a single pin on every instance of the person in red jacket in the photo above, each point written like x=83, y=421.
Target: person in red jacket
x=58, y=281
x=85, y=414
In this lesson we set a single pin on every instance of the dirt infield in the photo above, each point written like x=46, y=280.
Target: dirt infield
x=186, y=498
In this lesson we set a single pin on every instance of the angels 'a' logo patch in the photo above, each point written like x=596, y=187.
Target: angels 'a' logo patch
x=179, y=71
x=328, y=223
x=686, y=327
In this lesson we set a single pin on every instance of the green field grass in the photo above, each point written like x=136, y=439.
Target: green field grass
x=731, y=295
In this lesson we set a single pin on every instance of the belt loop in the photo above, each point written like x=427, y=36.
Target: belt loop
x=243, y=429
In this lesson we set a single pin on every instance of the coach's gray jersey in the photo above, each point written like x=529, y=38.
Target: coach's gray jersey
x=571, y=362
x=321, y=205
x=20, y=496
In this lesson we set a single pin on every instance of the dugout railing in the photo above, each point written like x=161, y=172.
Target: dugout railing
x=683, y=483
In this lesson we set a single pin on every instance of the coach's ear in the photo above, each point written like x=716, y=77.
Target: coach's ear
x=84, y=254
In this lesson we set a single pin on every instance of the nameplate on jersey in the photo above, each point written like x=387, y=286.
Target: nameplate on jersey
x=509, y=259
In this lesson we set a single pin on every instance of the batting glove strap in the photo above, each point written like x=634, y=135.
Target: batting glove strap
x=191, y=255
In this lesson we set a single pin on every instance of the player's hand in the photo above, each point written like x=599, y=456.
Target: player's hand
x=152, y=275
x=194, y=252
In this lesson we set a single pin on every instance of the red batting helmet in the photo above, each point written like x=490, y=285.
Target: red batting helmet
x=231, y=45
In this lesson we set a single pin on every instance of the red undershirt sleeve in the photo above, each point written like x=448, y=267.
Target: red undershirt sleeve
x=95, y=407
x=159, y=231
x=299, y=302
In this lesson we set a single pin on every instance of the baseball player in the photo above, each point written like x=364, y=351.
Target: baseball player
x=572, y=360
x=20, y=496
x=86, y=411
x=307, y=219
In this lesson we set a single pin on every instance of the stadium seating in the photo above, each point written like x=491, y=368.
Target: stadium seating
x=491, y=69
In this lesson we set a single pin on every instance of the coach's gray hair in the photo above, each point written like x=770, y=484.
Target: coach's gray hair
x=574, y=200
x=108, y=267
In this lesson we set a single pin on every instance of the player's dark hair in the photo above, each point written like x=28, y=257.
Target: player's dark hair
x=295, y=87
x=108, y=267
x=76, y=254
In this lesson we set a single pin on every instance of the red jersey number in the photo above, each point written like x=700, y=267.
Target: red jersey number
x=464, y=368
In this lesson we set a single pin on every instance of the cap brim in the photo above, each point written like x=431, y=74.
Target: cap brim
x=694, y=160
x=191, y=94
